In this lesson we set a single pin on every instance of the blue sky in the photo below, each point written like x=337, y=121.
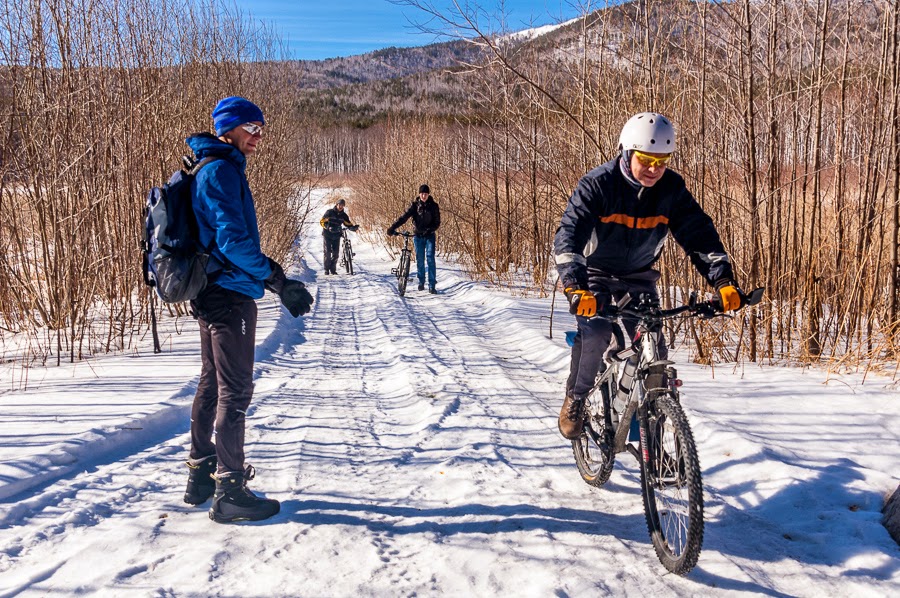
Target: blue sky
x=317, y=29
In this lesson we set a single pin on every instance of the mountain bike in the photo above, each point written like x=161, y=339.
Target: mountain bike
x=638, y=392
x=346, y=251
x=402, y=269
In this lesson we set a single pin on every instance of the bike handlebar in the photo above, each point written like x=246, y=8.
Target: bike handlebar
x=648, y=307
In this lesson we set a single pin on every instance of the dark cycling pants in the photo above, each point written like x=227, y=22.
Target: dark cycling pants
x=595, y=335
x=332, y=247
x=227, y=343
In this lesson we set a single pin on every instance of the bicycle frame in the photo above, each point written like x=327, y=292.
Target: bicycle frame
x=645, y=348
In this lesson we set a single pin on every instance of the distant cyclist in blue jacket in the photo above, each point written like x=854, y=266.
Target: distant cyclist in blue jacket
x=238, y=274
x=612, y=233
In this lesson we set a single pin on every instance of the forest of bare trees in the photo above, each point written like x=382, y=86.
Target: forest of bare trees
x=97, y=99
x=788, y=113
x=790, y=139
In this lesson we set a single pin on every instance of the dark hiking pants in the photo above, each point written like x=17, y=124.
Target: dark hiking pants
x=227, y=342
x=332, y=247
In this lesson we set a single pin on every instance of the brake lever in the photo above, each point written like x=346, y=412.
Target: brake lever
x=753, y=297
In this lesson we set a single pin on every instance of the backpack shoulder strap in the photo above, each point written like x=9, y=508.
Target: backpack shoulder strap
x=196, y=168
x=226, y=263
x=193, y=172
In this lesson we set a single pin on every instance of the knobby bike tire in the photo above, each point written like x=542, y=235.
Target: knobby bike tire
x=593, y=449
x=673, y=494
x=403, y=274
x=348, y=258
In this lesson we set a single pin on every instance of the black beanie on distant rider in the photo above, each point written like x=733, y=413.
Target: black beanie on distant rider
x=424, y=189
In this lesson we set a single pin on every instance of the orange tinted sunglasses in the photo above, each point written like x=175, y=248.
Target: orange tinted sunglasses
x=651, y=161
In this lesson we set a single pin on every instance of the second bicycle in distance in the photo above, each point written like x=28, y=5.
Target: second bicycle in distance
x=402, y=269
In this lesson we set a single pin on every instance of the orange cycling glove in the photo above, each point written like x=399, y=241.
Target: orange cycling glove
x=730, y=294
x=581, y=303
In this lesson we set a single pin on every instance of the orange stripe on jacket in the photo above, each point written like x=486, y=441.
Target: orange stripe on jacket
x=629, y=221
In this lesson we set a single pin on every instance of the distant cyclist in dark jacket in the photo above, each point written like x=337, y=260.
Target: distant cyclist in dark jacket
x=426, y=217
x=334, y=220
x=612, y=233
x=239, y=273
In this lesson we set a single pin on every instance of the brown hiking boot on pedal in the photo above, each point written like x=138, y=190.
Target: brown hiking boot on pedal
x=571, y=417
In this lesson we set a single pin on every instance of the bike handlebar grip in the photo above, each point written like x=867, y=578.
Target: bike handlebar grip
x=753, y=297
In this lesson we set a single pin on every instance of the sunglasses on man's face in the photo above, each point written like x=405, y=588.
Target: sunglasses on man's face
x=252, y=129
x=651, y=161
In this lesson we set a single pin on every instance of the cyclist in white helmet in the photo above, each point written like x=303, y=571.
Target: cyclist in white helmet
x=612, y=233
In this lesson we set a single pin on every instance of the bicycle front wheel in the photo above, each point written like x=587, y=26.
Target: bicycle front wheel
x=403, y=274
x=593, y=450
x=672, y=486
x=348, y=258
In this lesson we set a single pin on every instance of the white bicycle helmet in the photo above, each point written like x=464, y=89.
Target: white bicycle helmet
x=648, y=132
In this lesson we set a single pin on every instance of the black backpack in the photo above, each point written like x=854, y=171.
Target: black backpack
x=174, y=262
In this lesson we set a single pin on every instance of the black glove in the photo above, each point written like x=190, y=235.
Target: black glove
x=354, y=228
x=392, y=233
x=296, y=298
x=275, y=281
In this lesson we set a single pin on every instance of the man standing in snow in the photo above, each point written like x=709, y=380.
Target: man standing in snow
x=612, y=233
x=334, y=220
x=238, y=274
x=426, y=217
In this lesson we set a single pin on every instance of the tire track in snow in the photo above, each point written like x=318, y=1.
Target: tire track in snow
x=414, y=451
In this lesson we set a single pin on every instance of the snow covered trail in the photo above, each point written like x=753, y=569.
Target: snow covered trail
x=413, y=444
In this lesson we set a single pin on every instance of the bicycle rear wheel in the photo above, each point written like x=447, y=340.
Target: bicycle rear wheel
x=672, y=486
x=403, y=273
x=593, y=450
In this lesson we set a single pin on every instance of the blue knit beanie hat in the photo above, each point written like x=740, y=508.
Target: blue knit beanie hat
x=235, y=111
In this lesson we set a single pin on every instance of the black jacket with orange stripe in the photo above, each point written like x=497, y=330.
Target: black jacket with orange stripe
x=611, y=228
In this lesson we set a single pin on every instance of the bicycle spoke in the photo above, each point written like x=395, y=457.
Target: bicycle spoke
x=594, y=459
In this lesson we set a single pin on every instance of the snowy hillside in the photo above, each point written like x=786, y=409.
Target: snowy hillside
x=533, y=32
x=413, y=444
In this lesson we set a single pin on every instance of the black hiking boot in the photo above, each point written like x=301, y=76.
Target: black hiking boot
x=201, y=483
x=421, y=286
x=432, y=290
x=234, y=501
x=571, y=417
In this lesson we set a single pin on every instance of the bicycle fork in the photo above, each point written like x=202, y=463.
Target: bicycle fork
x=660, y=380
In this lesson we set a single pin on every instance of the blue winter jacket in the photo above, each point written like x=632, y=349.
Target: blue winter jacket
x=612, y=228
x=225, y=214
